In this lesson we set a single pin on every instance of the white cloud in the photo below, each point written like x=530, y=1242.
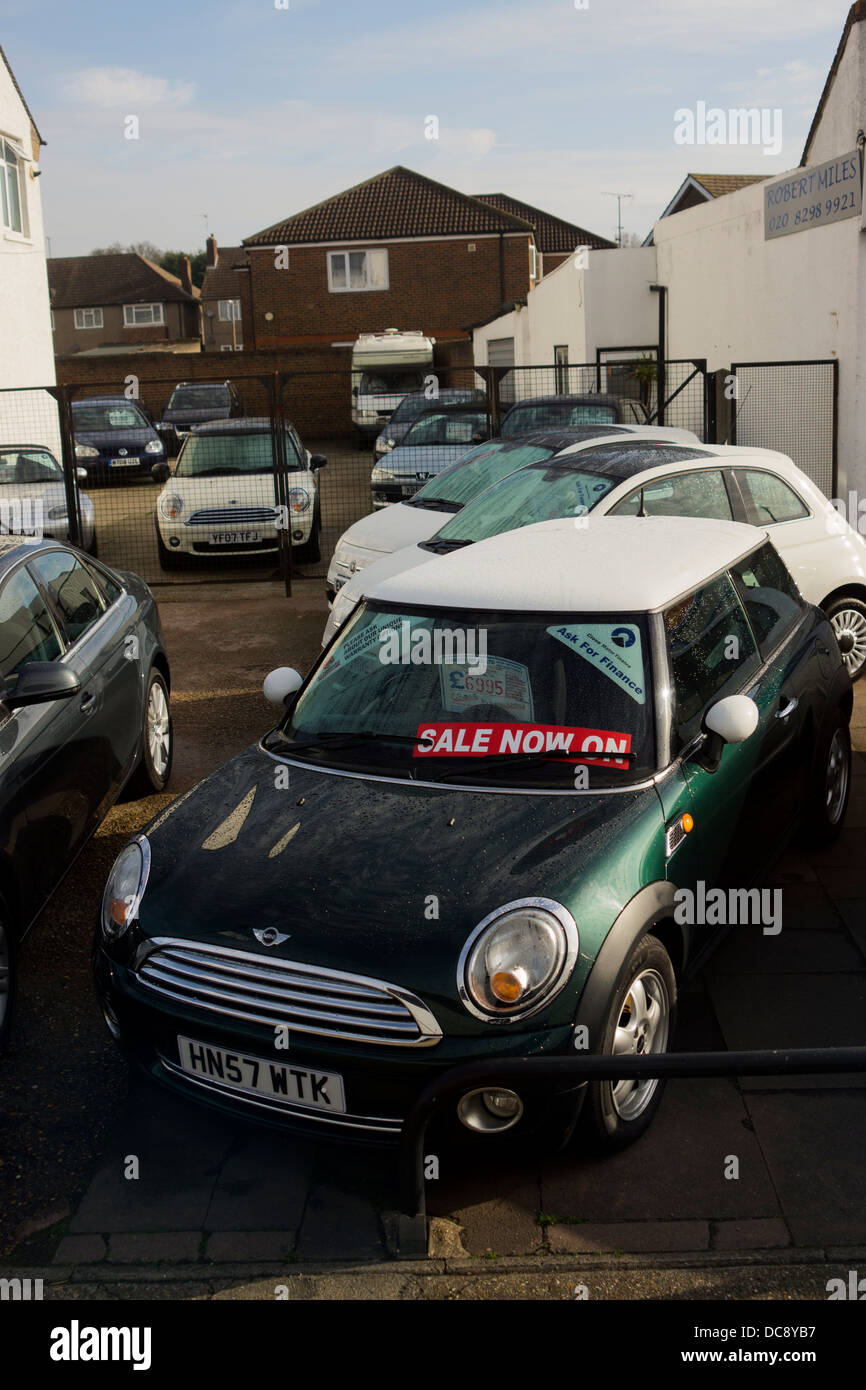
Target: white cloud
x=113, y=87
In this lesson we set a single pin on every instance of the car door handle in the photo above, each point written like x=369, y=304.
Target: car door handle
x=88, y=702
x=787, y=709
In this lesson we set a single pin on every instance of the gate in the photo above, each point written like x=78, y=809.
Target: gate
x=792, y=407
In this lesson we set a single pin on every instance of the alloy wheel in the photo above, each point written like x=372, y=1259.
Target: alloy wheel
x=849, y=625
x=158, y=731
x=643, y=1027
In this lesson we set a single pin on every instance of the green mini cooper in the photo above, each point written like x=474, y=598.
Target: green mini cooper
x=488, y=825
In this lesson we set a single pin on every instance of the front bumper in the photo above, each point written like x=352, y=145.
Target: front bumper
x=381, y=1083
x=386, y=493
x=182, y=539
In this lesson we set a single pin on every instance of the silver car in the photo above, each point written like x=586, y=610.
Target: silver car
x=33, y=496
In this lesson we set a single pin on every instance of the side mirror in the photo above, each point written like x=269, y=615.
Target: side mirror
x=731, y=720
x=282, y=683
x=317, y=461
x=160, y=472
x=41, y=681
x=82, y=475
x=478, y=438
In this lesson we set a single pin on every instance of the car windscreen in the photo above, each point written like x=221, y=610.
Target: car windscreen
x=19, y=466
x=545, y=414
x=198, y=398
x=208, y=455
x=478, y=470
x=445, y=427
x=120, y=416
x=390, y=383
x=524, y=700
x=539, y=492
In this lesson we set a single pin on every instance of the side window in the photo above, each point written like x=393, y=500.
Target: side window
x=769, y=595
x=27, y=631
x=73, y=590
x=110, y=590
x=768, y=499
x=681, y=494
x=711, y=645
x=296, y=448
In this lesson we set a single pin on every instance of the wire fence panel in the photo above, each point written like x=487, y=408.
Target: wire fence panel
x=623, y=391
x=791, y=407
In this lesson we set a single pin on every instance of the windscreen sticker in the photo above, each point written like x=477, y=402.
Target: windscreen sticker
x=503, y=683
x=614, y=648
x=357, y=645
x=597, y=747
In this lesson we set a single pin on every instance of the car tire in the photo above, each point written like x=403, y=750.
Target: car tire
x=7, y=977
x=167, y=559
x=157, y=751
x=829, y=783
x=311, y=551
x=848, y=619
x=615, y=1114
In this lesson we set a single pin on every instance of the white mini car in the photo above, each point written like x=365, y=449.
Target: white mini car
x=760, y=487
x=222, y=498
x=405, y=523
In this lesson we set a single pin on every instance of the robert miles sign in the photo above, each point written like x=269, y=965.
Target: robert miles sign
x=813, y=197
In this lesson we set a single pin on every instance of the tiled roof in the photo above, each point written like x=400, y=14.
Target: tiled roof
x=398, y=203
x=8, y=66
x=78, y=282
x=552, y=234
x=717, y=185
x=223, y=281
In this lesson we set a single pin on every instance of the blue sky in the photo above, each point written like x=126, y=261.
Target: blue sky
x=248, y=113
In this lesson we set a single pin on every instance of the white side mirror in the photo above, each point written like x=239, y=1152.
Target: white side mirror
x=734, y=719
x=282, y=683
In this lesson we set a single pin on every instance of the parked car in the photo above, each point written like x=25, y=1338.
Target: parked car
x=195, y=403
x=555, y=412
x=418, y=517
x=825, y=555
x=437, y=438
x=84, y=705
x=114, y=437
x=511, y=839
x=222, y=498
x=414, y=405
x=33, y=496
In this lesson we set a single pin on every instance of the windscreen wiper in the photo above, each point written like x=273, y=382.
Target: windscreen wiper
x=543, y=755
x=434, y=504
x=442, y=547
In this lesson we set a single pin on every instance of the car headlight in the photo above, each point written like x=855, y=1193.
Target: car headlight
x=170, y=506
x=86, y=451
x=368, y=417
x=382, y=475
x=125, y=888
x=56, y=513
x=299, y=499
x=153, y=446
x=389, y=444
x=517, y=960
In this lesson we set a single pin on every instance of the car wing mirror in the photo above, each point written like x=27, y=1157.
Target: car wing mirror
x=730, y=720
x=160, y=472
x=41, y=681
x=317, y=461
x=280, y=685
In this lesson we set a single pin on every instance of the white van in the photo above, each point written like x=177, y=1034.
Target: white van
x=386, y=367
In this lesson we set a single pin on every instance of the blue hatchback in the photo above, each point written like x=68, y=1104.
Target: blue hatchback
x=114, y=437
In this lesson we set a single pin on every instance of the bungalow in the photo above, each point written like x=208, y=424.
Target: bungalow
x=111, y=303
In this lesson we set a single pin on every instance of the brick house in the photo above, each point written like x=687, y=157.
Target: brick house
x=399, y=250
x=555, y=239
x=115, y=302
x=225, y=295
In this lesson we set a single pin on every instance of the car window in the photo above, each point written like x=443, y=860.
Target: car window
x=711, y=646
x=212, y=455
x=769, y=595
x=478, y=469
x=121, y=416
x=556, y=414
x=27, y=631
x=680, y=494
x=111, y=590
x=19, y=466
x=72, y=588
x=768, y=499
x=446, y=429
x=297, y=447
x=540, y=492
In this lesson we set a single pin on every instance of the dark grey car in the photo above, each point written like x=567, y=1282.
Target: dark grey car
x=84, y=706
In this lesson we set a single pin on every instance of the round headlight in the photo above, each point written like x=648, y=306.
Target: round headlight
x=125, y=888
x=86, y=451
x=517, y=960
x=171, y=506
x=153, y=446
x=299, y=499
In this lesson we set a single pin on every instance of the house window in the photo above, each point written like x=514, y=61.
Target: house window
x=533, y=262
x=137, y=315
x=230, y=310
x=10, y=188
x=560, y=357
x=88, y=318
x=357, y=270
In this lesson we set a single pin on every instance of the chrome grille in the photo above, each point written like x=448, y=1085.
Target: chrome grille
x=267, y=990
x=243, y=516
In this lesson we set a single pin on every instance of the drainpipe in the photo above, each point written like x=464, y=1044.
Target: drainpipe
x=662, y=292
x=501, y=268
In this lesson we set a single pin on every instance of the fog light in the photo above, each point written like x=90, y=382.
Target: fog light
x=489, y=1111
x=174, y=540
x=297, y=535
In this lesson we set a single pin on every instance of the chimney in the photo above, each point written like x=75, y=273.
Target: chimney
x=185, y=275
x=213, y=254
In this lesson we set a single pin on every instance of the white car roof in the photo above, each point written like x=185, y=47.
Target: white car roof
x=601, y=564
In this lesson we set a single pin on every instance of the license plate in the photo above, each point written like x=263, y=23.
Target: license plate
x=301, y=1085
x=234, y=537
x=408, y=491
x=125, y=463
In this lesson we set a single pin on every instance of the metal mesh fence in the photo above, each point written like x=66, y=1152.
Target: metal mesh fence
x=792, y=407
x=626, y=391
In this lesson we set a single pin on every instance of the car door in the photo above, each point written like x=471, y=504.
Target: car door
x=42, y=807
x=108, y=666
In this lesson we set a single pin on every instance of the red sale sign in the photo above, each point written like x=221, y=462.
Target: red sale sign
x=565, y=743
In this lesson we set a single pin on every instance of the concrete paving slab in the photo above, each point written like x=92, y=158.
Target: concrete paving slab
x=598, y=1237
x=153, y=1247
x=770, y=1233
x=801, y=951
x=262, y=1185
x=249, y=1246
x=339, y=1226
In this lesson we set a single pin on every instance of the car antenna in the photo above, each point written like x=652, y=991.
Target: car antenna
x=642, y=511
x=737, y=413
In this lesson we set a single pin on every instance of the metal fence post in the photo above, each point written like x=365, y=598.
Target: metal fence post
x=63, y=394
